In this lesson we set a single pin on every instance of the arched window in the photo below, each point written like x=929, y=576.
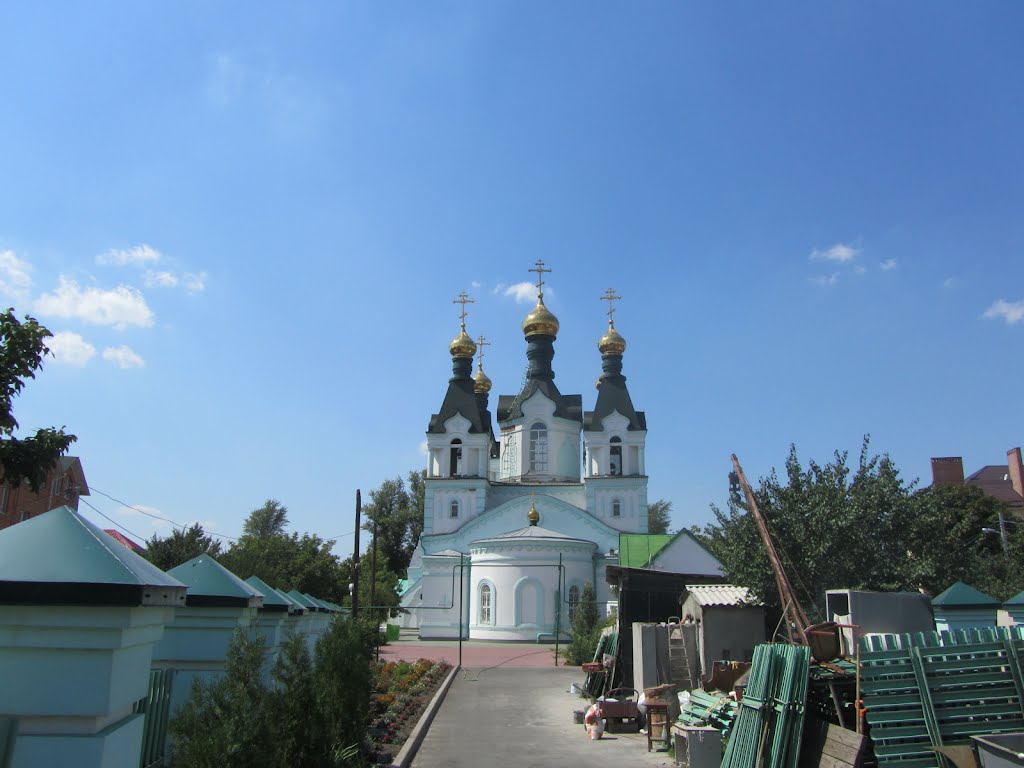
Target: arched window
x=455, y=458
x=616, y=508
x=574, y=600
x=486, y=614
x=454, y=508
x=615, y=457
x=538, y=447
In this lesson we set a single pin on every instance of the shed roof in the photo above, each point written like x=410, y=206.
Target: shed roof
x=1017, y=599
x=636, y=550
x=961, y=595
x=721, y=594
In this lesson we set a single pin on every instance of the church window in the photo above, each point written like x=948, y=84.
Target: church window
x=455, y=462
x=574, y=601
x=538, y=447
x=616, y=508
x=485, y=604
x=455, y=508
x=615, y=457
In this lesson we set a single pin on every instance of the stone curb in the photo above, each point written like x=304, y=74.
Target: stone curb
x=412, y=744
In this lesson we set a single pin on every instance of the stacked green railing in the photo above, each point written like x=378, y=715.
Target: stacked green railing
x=933, y=689
x=156, y=707
x=770, y=721
x=708, y=709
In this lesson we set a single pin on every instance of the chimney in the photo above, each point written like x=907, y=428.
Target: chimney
x=1016, y=471
x=947, y=470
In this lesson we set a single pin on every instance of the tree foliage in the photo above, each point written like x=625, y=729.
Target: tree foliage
x=380, y=592
x=586, y=628
x=314, y=715
x=22, y=348
x=398, y=513
x=859, y=527
x=180, y=547
x=659, y=516
x=285, y=561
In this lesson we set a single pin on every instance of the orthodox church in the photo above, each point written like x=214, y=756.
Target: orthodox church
x=512, y=527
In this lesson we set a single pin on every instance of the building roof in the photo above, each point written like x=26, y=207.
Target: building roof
x=59, y=557
x=962, y=595
x=636, y=550
x=720, y=594
x=272, y=599
x=534, y=532
x=211, y=584
x=994, y=480
x=120, y=538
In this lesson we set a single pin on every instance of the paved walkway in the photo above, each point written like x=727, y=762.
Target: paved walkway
x=474, y=653
x=520, y=714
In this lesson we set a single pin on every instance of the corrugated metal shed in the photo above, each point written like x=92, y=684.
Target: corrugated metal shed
x=720, y=594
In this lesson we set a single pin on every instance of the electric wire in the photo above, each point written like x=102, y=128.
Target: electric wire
x=126, y=530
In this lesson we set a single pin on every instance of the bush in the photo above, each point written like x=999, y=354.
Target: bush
x=586, y=629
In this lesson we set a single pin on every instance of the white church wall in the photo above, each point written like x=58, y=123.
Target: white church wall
x=438, y=608
x=631, y=495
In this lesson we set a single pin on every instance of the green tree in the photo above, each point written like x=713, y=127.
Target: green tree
x=834, y=526
x=586, y=628
x=180, y=547
x=283, y=560
x=398, y=514
x=382, y=592
x=659, y=516
x=22, y=348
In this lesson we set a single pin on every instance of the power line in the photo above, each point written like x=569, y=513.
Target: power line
x=90, y=506
x=157, y=517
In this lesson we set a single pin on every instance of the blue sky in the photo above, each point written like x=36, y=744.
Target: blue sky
x=246, y=223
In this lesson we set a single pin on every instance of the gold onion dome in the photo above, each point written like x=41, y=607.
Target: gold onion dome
x=462, y=345
x=540, y=321
x=482, y=382
x=533, y=515
x=612, y=342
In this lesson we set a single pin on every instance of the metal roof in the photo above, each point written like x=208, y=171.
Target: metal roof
x=272, y=599
x=531, y=532
x=302, y=600
x=962, y=595
x=636, y=550
x=721, y=594
x=210, y=583
x=59, y=557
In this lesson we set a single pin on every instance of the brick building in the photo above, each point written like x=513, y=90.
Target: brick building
x=64, y=484
x=1003, y=481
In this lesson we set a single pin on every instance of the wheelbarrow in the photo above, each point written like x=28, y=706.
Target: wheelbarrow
x=619, y=710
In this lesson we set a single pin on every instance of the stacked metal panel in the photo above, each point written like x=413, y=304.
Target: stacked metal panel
x=770, y=723
x=934, y=689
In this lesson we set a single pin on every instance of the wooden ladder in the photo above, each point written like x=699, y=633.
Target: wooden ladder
x=679, y=659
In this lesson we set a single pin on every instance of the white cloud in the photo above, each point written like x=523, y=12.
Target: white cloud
x=119, y=307
x=137, y=511
x=225, y=80
x=860, y=269
x=1011, y=311
x=123, y=357
x=160, y=279
x=423, y=448
x=838, y=252
x=195, y=282
x=15, y=277
x=139, y=254
x=70, y=349
x=888, y=264
x=949, y=282
x=523, y=293
x=826, y=279
x=475, y=284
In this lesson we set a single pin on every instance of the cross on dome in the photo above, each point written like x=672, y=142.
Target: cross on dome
x=463, y=300
x=610, y=297
x=539, y=269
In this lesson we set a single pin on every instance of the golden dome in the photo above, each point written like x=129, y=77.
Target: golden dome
x=612, y=342
x=540, y=321
x=462, y=345
x=533, y=515
x=483, y=382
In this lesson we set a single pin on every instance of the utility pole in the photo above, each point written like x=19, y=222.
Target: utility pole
x=355, y=559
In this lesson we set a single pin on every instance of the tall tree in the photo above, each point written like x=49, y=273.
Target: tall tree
x=22, y=348
x=834, y=526
x=180, y=547
x=283, y=560
x=399, y=518
x=659, y=516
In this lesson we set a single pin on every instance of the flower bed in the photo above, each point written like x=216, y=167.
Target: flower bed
x=402, y=690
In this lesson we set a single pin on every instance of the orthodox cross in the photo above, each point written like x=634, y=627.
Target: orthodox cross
x=480, y=344
x=463, y=300
x=610, y=296
x=539, y=269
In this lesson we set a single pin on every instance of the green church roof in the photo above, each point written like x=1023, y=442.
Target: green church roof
x=1017, y=599
x=211, y=584
x=962, y=595
x=273, y=601
x=60, y=558
x=636, y=550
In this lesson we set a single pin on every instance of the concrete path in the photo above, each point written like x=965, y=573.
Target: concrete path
x=521, y=717
x=474, y=653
